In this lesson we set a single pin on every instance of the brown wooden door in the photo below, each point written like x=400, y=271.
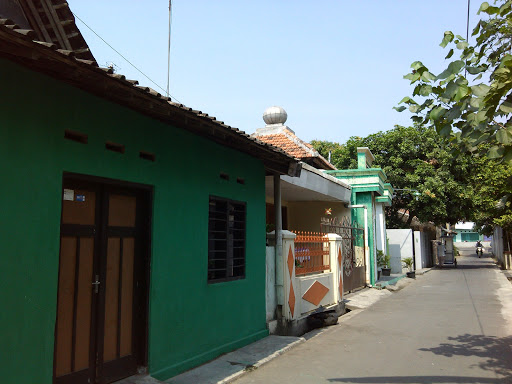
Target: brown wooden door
x=102, y=295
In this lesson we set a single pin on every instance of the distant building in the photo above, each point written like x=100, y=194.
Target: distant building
x=465, y=232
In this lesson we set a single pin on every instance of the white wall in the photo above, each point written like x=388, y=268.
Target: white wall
x=380, y=233
x=400, y=247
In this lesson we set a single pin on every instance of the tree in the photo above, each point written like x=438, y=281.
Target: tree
x=471, y=100
x=492, y=205
x=416, y=158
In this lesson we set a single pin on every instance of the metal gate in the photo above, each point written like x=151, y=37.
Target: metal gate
x=354, y=267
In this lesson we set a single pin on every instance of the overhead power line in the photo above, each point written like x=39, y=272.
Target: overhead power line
x=128, y=61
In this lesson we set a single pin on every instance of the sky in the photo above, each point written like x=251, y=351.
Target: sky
x=336, y=67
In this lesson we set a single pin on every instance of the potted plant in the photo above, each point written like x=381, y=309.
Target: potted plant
x=383, y=263
x=409, y=263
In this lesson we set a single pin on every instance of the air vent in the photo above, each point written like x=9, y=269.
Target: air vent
x=75, y=136
x=114, y=147
x=147, y=155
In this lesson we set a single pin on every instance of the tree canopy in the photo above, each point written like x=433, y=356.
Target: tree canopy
x=415, y=158
x=471, y=100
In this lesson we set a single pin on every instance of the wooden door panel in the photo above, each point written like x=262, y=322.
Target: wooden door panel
x=73, y=329
x=84, y=304
x=65, y=304
x=126, y=321
x=81, y=210
x=98, y=327
x=122, y=210
x=111, y=300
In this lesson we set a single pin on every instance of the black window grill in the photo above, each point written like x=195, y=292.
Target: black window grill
x=226, y=239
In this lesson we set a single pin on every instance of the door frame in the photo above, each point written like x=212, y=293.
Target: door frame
x=146, y=193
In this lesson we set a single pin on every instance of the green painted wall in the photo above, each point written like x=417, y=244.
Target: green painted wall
x=190, y=321
x=365, y=198
x=467, y=235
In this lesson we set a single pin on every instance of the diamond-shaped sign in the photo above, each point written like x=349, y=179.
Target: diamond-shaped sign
x=315, y=293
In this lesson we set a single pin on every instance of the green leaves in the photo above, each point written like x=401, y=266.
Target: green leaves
x=504, y=136
x=495, y=152
x=483, y=7
x=453, y=68
x=480, y=90
x=448, y=37
x=437, y=113
x=506, y=107
x=456, y=104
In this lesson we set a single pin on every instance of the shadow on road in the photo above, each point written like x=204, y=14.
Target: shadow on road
x=495, y=352
x=417, y=379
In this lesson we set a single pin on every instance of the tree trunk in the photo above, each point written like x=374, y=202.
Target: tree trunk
x=409, y=219
x=508, y=240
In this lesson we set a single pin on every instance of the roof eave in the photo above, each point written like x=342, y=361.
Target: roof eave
x=17, y=46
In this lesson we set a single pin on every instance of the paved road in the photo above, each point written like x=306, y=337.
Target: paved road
x=448, y=326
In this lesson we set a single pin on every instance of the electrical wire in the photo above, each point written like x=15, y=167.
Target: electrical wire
x=128, y=61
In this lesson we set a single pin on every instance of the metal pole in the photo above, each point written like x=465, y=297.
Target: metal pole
x=279, y=240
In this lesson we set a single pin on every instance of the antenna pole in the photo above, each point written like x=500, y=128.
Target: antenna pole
x=169, y=51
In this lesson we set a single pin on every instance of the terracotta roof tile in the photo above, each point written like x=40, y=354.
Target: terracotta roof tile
x=294, y=146
x=288, y=145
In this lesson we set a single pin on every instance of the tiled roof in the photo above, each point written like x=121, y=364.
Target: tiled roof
x=286, y=143
x=17, y=45
x=291, y=144
x=52, y=22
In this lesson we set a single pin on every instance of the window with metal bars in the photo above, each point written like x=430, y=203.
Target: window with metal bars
x=226, y=240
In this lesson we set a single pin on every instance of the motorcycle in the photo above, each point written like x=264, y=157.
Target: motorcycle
x=479, y=249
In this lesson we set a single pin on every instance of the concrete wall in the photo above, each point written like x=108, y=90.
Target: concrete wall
x=299, y=296
x=400, y=247
x=305, y=216
x=270, y=288
x=503, y=257
x=190, y=321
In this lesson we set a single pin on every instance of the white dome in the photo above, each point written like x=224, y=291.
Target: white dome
x=274, y=115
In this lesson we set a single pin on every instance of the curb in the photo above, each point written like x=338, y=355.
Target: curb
x=261, y=362
x=423, y=271
x=392, y=281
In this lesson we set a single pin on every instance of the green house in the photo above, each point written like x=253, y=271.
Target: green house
x=370, y=195
x=132, y=228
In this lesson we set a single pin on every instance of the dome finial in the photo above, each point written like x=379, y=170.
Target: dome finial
x=274, y=115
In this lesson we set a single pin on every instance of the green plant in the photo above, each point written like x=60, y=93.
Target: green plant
x=456, y=251
x=409, y=263
x=382, y=259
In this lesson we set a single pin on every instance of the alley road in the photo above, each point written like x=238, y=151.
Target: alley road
x=448, y=326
